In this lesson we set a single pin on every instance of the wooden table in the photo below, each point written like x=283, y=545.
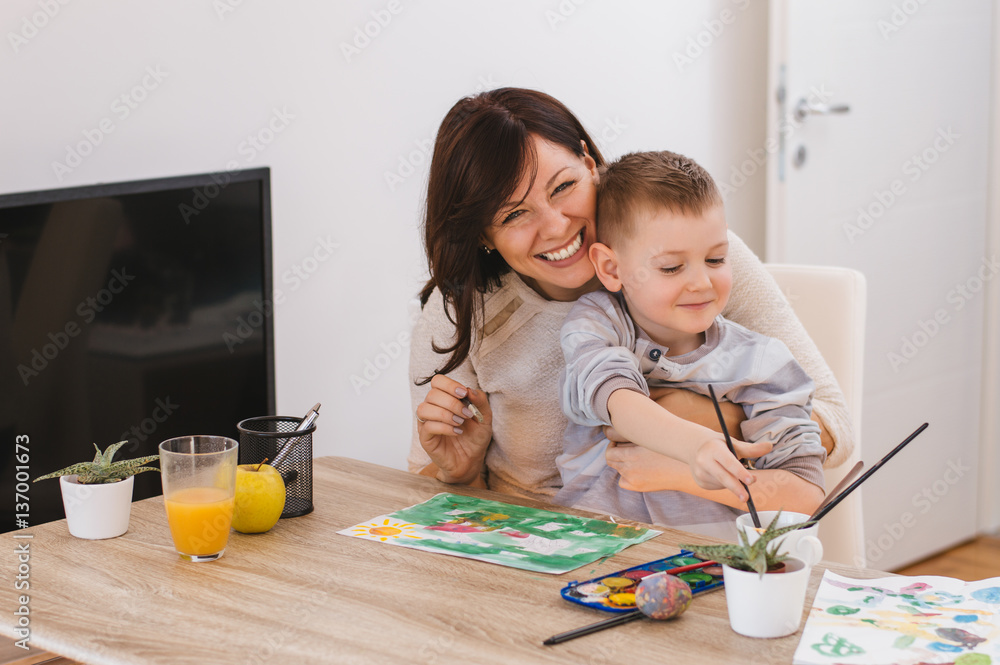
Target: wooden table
x=301, y=593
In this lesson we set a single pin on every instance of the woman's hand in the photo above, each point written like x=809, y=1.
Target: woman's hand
x=642, y=470
x=449, y=433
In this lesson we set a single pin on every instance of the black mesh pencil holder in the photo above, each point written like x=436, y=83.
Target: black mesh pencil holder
x=263, y=437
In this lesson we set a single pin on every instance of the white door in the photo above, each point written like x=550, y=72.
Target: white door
x=884, y=169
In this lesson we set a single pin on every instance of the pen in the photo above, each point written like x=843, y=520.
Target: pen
x=306, y=422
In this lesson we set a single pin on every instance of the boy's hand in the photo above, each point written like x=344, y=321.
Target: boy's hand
x=714, y=467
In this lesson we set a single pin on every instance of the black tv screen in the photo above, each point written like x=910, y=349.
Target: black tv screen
x=135, y=311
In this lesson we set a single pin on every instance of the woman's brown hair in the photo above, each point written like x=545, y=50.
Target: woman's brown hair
x=482, y=149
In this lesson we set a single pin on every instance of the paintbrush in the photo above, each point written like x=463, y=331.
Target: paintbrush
x=729, y=442
x=841, y=485
x=619, y=619
x=477, y=414
x=818, y=515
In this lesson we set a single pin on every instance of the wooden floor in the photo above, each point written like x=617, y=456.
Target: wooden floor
x=975, y=560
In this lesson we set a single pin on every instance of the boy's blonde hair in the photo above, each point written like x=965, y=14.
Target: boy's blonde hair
x=640, y=183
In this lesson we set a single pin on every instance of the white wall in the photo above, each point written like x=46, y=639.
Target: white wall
x=224, y=71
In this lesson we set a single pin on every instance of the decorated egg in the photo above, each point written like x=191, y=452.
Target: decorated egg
x=662, y=596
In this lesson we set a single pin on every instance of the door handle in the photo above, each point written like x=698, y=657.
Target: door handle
x=804, y=108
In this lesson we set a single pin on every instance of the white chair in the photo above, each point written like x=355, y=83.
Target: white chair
x=830, y=303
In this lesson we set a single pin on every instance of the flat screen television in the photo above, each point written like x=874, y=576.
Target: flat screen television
x=135, y=311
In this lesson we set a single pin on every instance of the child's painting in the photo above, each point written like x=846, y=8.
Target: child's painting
x=902, y=620
x=526, y=538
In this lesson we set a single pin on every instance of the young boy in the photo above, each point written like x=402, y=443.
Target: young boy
x=661, y=254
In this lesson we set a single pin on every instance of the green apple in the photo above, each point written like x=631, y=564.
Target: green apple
x=260, y=498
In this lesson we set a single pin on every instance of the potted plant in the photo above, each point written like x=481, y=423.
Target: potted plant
x=765, y=589
x=97, y=495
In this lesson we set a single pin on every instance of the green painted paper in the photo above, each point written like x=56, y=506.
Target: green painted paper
x=527, y=538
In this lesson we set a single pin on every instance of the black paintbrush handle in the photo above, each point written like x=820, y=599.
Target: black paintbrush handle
x=729, y=443
x=594, y=627
x=866, y=475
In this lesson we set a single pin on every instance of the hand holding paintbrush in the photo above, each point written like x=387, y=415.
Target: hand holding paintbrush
x=729, y=444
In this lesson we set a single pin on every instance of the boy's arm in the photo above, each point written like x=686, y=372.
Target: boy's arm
x=595, y=339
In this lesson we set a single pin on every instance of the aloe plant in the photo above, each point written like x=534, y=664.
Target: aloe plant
x=751, y=557
x=102, y=470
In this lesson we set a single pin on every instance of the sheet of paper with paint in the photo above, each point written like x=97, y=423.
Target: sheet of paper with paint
x=902, y=620
x=527, y=538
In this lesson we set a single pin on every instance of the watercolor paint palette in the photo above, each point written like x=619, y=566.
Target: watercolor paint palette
x=615, y=592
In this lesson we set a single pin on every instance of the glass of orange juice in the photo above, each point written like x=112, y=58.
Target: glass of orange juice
x=199, y=483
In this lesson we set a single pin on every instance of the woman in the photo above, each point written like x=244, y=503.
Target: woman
x=510, y=217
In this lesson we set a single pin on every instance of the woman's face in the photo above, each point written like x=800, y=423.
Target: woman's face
x=546, y=237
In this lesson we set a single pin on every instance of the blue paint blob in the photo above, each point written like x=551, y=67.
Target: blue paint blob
x=987, y=595
x=966, y=618
x=946, y=648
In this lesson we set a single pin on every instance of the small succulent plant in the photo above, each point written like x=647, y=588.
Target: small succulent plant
x=102, y=470
x=756, y=556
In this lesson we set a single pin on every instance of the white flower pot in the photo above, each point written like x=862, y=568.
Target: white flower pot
x=768, y=606
x=97, y=511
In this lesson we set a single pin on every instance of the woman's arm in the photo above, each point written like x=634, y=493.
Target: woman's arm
x=704, y=452
x=773, y=489
x=643, y=470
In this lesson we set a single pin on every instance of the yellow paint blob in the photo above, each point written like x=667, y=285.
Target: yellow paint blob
x=622, y=599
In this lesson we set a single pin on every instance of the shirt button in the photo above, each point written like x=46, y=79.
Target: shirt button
x=655, y=354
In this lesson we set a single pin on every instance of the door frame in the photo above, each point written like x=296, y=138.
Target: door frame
x=988, y=514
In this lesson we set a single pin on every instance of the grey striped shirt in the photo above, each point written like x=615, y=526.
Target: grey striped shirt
x=605, y=351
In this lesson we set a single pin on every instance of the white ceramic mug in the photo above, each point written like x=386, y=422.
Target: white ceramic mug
x=801, y=543
x=768, y=606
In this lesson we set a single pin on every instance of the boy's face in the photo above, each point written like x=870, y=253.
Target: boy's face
x=675, y=275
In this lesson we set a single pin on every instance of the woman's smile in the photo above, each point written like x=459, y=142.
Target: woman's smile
x=571, y=249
